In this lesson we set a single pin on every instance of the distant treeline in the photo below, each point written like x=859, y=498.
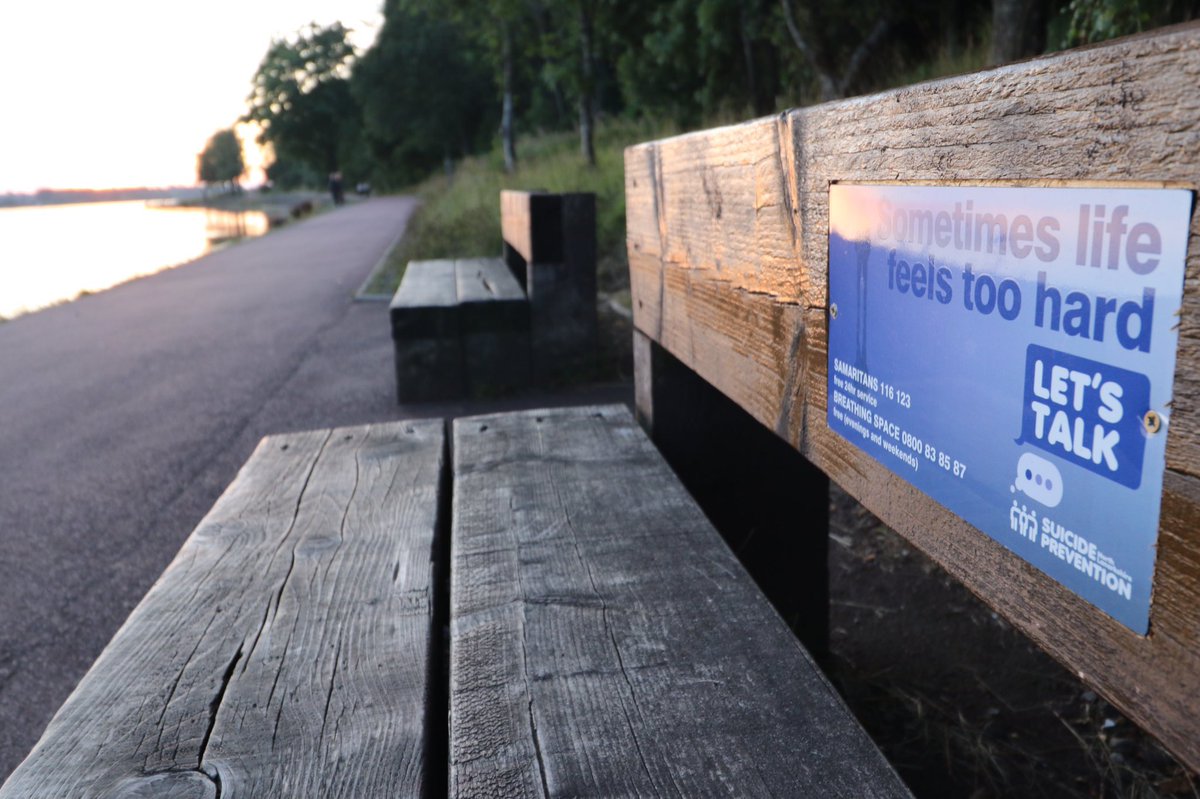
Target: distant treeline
x=447, y=78
x=66, y=196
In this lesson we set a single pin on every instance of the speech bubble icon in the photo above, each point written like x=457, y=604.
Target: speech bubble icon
x=1040, y=479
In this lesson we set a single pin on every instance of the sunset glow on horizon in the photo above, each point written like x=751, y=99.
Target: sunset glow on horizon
x=127, y=93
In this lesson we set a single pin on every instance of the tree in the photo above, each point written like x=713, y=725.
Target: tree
x=693, y=59
x=288, y=175
x=221, y=161
x=567, y=35
x=1018, y=29
x=497, y=27
x=834, y=82
x=1088, y=21
x=659, y=66
x=424, y=92
x=854, y=47
x=302, y=99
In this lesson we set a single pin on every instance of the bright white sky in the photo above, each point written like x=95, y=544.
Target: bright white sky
x=115, y=93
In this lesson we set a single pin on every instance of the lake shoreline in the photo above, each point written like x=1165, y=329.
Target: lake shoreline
x=280, y=207
x=57, y=254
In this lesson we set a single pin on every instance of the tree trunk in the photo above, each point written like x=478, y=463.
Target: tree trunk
x=507, y=133
x=1018, y=30
x=587, y=88
x=829, y=87
x=833, y=87
x=858, y=59
x=748, y=57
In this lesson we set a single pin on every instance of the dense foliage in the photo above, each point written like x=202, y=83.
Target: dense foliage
x=424, y=94
x=302, y=102
x=446, y=78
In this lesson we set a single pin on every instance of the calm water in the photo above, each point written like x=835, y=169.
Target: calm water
x=53, y=253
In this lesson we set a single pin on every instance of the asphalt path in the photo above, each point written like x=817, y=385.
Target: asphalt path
x=123, y=415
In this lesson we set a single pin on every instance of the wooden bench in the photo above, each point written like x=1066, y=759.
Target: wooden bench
x=484, y=326
x=603, y=639
x=286, y=651
x=729, y=245
x=459, y=328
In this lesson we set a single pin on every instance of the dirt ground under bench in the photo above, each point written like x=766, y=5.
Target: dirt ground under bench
x=963, y=704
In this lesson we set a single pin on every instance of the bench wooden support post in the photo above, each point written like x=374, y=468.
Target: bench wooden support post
x=768, y=502
x=550, y=245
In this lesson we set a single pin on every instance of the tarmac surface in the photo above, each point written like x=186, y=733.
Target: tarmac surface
x=123, y=416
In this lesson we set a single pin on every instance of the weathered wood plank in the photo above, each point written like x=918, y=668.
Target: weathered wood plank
x=605, y=641
x=494, y=326
x=425, y=333
x=727, y=233
x=285, y=650
x=550, y=244
x=427, y=284
x=485, y=280
x=530, y=222
x=748, y=205
x=562, y=294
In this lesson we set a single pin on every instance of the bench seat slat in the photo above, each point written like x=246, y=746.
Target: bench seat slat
x=427, y=284
x=493, y=325
x=285, y=651
x=605, y=641
x=424, y=316
x=486, y=280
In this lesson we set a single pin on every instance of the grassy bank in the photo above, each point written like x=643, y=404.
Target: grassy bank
x=460, y=213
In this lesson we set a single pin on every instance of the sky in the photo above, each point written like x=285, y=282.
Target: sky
x=121, y=93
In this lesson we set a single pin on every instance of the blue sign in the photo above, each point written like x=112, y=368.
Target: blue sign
x=1010, y=352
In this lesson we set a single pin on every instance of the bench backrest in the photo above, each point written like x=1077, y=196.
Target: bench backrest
x=728, y=240
x=550, y=246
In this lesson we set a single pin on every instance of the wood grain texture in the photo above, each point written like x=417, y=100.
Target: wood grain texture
x=727, y=237
x=494, y=327
x=530, y=223
x=606, y=642
x=427, y=284
x=550, y=244
x=285, y=650
x=426, y=339
x=486, y=280
x=562, y=294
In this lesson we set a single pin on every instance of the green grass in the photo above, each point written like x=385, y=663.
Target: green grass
x=944, y=63
x=460, y=213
